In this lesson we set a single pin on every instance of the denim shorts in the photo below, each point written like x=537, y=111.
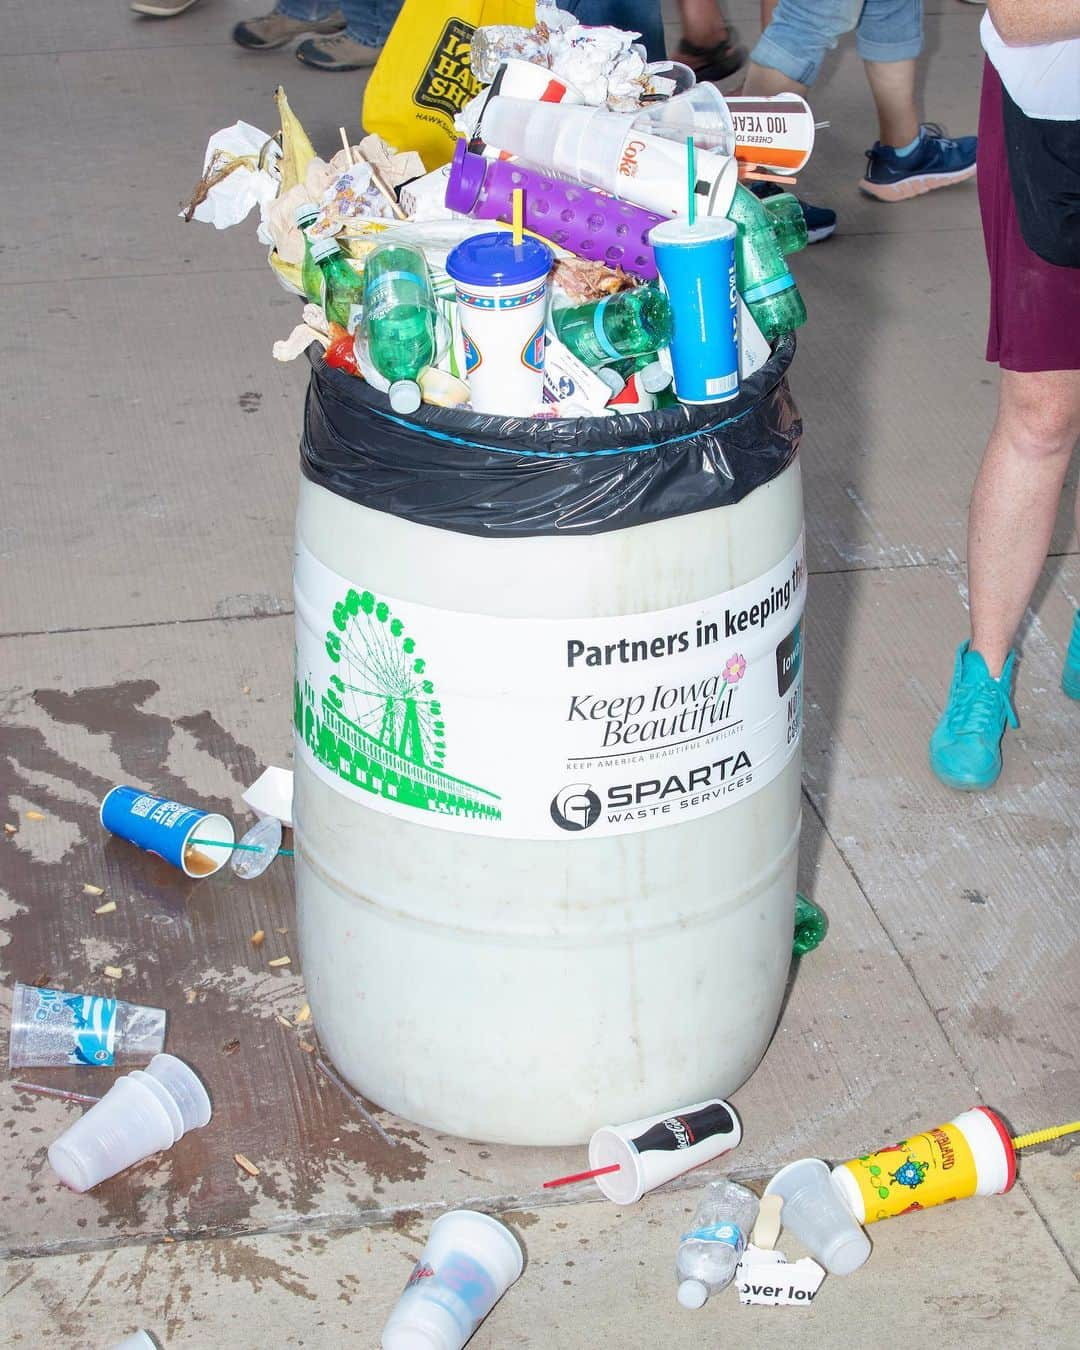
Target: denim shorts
x=802, y=31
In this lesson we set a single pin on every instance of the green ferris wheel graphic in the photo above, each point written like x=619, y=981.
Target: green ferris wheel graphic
x=381, y=683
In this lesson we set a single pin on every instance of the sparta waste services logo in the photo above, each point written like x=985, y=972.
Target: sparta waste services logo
x=575, y=807
x=447, y=82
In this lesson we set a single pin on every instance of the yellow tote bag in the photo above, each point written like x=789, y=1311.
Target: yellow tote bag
x=423, y=77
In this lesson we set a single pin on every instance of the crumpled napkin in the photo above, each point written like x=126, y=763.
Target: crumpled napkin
x=231, y=200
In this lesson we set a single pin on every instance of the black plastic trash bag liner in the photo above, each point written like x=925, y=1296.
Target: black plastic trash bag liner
x=507, y=477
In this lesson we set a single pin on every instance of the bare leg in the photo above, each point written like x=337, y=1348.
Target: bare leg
x=763, y=82
x=1014, y=502
x=893, y=86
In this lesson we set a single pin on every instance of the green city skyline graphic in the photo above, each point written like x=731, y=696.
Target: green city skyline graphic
x=379, y=724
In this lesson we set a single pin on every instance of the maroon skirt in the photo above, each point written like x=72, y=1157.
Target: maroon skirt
x=1034, y=306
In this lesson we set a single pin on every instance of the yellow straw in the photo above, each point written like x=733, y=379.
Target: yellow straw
x=519, y=228
x=1044, y=1136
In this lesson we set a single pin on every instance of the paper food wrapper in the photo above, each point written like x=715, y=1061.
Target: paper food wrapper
x=231, y=201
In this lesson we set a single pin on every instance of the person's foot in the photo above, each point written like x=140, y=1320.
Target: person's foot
x=720, y=62
x=277, y=30
x=339, y=52
x=965, y=749
x=937, y=161
x=820, y=220
x=1070, y=674
x=161, y=9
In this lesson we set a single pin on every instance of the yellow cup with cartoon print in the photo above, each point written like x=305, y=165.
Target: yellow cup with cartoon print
x=971, y=1155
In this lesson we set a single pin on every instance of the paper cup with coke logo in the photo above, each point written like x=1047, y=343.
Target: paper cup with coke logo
x=167, y=828
x=971, y=1155
x=655, y=1150
x=502, y=296
x=469, y=1262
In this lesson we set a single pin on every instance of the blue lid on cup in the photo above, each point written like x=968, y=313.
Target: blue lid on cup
x=494, y=259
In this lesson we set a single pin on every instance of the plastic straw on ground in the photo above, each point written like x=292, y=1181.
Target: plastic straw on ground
x=584, y=1176
x=347, y=1091
x=244, y=848
x=1046, y=1136
x=62, y=1093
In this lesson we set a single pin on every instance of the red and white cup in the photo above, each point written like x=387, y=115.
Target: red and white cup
x=657, y=1149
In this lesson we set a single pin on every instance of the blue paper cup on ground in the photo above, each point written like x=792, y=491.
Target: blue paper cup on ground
x=697, y=271
x=167, y=828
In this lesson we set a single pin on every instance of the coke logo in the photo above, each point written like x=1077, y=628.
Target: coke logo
x=679, y=1130
x=628, y=163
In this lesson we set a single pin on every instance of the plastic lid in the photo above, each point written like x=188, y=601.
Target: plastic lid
x=653, y=377
x=467, y=174
x=494, y=259
x=305, y=214
x=324, y=248
x=692, y=1293
x=404, y=396
x=265, y=836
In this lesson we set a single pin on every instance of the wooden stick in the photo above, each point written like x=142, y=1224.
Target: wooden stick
x=348, y=148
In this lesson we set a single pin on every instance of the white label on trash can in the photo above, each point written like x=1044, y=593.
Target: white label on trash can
x=547, y=728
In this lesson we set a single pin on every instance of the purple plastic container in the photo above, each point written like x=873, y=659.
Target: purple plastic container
x=581, y=219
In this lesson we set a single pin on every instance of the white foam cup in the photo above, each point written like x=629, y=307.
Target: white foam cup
x=469, y=1262
x=817, y=1215
x=653, y=1151
x=143, y=1113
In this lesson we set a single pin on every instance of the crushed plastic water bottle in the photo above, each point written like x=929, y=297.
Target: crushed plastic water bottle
x=709, y=1252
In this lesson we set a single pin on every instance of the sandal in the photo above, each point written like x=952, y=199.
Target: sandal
x=713, y=63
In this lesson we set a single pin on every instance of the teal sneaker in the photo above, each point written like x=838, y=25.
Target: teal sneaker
x=1070, y=675
x=965, y=749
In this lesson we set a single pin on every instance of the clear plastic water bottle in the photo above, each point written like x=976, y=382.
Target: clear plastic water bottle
x=399, y=320
x=764, y=282
x=311, y=281
x=631, y=323
x=710, y=1251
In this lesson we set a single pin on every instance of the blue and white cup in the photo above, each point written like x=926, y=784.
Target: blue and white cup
x=697, y=272
x=167, y=828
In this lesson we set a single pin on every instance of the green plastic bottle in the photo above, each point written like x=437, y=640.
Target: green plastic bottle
x=399, y=320
x=311, y=282
x=762, y=275
x=631, y=323
x=788, y=221
x=343, y=286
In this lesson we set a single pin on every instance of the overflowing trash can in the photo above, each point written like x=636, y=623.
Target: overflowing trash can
x=548, y=709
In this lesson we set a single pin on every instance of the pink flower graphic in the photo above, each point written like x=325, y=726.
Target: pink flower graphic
x=735, y=668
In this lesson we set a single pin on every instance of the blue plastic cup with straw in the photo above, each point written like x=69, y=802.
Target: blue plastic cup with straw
x=696, y=261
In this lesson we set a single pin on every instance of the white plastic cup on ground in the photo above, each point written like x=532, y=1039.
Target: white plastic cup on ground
x=132, y=1121
x=139, y=1340
x=657, y=1149
x=54, y=1029
x=817, y=1215
x=502, y=295
x=469, y=1262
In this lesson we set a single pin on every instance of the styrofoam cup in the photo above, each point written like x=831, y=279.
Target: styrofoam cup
x=469, y=1262
x=817, y=1215
x=132, y=1121
x=657, y=1149
x=139, y=1340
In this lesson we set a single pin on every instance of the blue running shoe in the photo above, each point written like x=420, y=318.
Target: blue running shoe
x=820, y=221
x=965, y=749
x=1070, y=675
x=937, y=161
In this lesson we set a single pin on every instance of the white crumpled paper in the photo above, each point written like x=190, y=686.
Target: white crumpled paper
x=230, y=201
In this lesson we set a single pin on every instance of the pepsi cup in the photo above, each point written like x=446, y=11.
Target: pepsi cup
x=697, y=271
x=167, y=828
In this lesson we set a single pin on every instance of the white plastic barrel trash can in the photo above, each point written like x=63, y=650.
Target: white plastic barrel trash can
x=547, y=788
